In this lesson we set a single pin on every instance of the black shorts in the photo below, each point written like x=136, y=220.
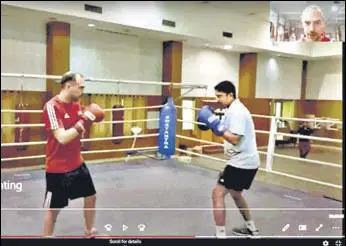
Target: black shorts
x=60, y=187
x=237, y=178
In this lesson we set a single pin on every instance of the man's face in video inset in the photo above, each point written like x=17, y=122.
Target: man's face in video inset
x=313, y=23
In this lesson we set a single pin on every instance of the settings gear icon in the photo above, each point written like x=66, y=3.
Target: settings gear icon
x=325, y=243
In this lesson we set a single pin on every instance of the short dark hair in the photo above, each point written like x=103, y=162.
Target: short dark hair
x=69, y=76
x=226, y=87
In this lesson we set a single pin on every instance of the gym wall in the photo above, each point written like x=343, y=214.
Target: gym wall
x=207, y=66
x=278, y=77
x=324, y=79
x=100, y=54
x=23, y=50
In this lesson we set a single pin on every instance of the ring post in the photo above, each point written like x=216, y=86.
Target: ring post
x=271, y=144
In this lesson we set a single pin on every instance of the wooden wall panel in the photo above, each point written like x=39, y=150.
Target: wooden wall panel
x=247, y=76
x=58, y=53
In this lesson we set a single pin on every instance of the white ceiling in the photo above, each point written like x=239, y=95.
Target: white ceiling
x=8, y=12
x=292, y=10
x=252, y=10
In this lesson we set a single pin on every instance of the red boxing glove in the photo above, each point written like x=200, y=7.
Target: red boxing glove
x=92, y=113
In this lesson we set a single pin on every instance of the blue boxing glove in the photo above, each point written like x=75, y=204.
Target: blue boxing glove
x=206, y=115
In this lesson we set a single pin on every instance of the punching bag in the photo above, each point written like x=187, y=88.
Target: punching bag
x=22, y=134
x=167, y=129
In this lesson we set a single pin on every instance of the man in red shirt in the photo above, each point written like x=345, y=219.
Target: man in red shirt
x=67, y=176
x=313, y=24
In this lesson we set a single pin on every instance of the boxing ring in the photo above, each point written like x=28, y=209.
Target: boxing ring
x=144, y=194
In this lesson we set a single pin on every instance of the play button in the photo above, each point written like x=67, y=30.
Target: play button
x=125, y=227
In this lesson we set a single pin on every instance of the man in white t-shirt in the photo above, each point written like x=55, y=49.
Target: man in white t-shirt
x=237, y=129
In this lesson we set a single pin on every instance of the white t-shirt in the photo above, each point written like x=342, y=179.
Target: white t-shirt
x=238, y=120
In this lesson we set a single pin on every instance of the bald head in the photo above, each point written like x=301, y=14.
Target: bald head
x=313, y=23
x=73, y=85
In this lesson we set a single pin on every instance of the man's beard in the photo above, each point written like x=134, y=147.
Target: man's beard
x=314, y=36
x=75, y=99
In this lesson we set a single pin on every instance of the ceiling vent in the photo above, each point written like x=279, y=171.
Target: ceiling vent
x=227, y=34
x=92, y=8
x=168, y=23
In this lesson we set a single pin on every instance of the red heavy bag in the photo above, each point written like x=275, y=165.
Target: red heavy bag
x=22, y=134
x=117, y=128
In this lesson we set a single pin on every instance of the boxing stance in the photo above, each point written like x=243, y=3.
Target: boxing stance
x=67, y=176
x=238, y=131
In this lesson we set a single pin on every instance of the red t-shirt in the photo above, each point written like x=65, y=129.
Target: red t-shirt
x=57, y=114
x=324, y=38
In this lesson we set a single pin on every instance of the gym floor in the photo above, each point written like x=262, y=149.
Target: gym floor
x=170, y=198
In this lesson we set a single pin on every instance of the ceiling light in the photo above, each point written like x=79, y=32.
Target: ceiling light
x=227, y=47
x=91, y=25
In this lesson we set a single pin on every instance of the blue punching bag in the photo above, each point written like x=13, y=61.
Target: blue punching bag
x=167, y=130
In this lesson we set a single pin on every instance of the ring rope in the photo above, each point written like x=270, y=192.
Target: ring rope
x=110, y=109
x=262, y=152
x=160, y=106
x=262, y=116
x=305, y=179
x=55, y=77
x=262, y=131
x=207, y=156
x=308, y=160
x=23, y=143
x=199, y=140
x=311, y=120
x=116, y=150
x=274, y=172
x=102, y=122
x=121, y=137
x=133, y=108
x=82, y=152
x=125, y=121
x=194, y=122
x=82, y=140
x=283, y=134
x=187, y=107
x=20, y=111
x=33, y=76
x=309, y=137
x=201, y=155
x=283, y=118
x=23, y=158
x=22, y=125
x=203, y=124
